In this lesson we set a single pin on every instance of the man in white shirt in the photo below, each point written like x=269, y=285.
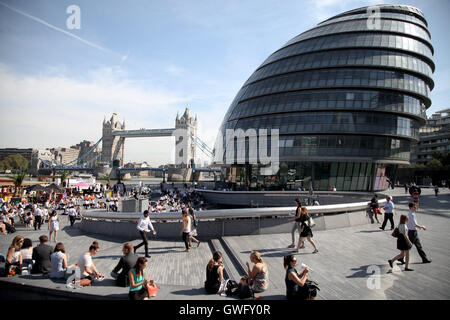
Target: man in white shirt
x=388, y=213
x=37, y=218
x=144, y=226
x=72, y=215
x=87, y=267
x=412, y=232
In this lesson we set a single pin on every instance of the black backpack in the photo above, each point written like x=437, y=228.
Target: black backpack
x=312, y=288
x=232, y=288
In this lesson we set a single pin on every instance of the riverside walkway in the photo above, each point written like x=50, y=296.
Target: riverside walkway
x=351, y=263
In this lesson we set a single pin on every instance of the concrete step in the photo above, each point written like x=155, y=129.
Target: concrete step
x=232, y=267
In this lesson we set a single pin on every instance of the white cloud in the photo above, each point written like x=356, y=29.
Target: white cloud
x=58, y=111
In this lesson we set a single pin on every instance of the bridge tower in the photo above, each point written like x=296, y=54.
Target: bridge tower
x=185, y=155
x=112, y=146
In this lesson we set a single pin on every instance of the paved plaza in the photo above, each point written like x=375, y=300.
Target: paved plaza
x=351, y=263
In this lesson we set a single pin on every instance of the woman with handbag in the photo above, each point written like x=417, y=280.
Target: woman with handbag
x=13, y=263
x=297, y=283
x=403, y=242
x=306, y=231
x=138, y=280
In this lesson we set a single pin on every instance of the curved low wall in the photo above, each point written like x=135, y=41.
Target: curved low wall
x=279, y=198
x=226, y=222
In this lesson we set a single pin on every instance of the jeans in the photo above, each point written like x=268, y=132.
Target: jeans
x=295, y=226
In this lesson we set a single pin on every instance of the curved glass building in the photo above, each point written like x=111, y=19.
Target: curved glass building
x=347, y=97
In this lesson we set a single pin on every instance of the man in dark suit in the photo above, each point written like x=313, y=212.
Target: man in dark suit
x=41, y=256
x=127, y=262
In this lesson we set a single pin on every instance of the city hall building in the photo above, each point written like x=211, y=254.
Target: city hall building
x=348, y=98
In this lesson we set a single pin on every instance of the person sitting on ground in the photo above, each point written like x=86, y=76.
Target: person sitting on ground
x=14, y=257
x=138, y=280
x=257, y=279
x=296, y=287
x=41, y=256
x=125, y=264
x=2, y=228
x=214, y=273
x=59, y=262
x=27, y=252
x=86, y=265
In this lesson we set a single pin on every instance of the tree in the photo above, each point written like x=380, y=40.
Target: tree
x=14, y=162
x=18, y=178
x=64, y=175
x=434, y=163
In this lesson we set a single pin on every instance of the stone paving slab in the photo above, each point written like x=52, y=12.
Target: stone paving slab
x=341, y=266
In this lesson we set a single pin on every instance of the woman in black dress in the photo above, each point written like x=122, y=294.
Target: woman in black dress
x=214, y=273
x=306, y=231
x=403, y=243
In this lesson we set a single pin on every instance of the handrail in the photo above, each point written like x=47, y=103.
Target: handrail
x=231, y=213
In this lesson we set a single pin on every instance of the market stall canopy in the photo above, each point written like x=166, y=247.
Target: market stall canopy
x=36, y=187
x=53, y=187
x=81, y=184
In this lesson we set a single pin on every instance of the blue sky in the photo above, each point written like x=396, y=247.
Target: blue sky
x=146, y=60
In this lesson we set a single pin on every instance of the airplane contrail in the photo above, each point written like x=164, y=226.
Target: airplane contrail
x=63, y=31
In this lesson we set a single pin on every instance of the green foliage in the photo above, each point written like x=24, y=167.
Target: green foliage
x=14, y=162
x=434, y=163
x=64, y=175
x=18, y=178
x=442, y=157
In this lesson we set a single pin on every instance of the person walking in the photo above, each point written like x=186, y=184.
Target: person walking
x=412, y=233
x=306, y=231
x=194, y=232
x=186, y=229
x=37, y=218
x=375, y=208
x=403, y=243
x=144, y=226
x=53, y=225
x=388, y=213
x=436, y=190
x=72, y=215
x=296, y=225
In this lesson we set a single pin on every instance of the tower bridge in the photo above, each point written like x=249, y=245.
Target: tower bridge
x=114, y=134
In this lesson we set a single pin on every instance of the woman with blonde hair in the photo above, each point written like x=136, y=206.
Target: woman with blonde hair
x=403, y=243
x=214, y=273
x=14, y=256
x=257, y=279
x=306, y=231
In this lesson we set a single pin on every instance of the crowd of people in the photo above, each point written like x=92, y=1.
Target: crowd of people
x=131, y=270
